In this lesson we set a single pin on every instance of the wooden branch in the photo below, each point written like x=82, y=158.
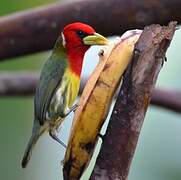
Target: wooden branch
x=24, y=84
x=17, y=84
x=134, y=97
x=21, y=84
x=36, y=30
x=167, y=98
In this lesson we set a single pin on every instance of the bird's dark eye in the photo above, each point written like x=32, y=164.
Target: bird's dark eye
x=81, y=34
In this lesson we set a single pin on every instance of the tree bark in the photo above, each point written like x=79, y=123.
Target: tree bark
x=37, y=29
x=123, y=131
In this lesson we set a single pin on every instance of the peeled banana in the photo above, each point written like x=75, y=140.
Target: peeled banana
x=95, y=102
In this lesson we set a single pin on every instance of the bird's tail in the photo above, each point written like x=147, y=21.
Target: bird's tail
x=37, y=132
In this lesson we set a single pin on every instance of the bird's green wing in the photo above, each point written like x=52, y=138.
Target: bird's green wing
x=50, y=79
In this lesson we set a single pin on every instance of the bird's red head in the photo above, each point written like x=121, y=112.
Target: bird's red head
x=77, y=38
x=74, y=33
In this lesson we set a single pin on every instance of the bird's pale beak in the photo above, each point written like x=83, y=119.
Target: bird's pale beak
x=95, y=39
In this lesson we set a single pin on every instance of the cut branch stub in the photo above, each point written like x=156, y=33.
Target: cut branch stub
x=134, y=97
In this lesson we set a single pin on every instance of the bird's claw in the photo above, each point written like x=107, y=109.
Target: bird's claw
x=101, y=136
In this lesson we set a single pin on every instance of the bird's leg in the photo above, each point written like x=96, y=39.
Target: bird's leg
x=54, y=136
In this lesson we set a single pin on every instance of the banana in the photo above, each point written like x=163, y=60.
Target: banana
x=95, y=102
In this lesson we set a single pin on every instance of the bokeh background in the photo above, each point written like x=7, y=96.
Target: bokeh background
x=157, y=155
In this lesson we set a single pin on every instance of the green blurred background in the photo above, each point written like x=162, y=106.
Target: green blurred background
x=157, y=155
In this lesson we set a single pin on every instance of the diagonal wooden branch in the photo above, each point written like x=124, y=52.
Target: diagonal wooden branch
x=134, y=97
x=36, y=30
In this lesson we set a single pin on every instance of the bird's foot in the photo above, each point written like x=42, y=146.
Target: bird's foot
x=73, y=109
x=101, y=136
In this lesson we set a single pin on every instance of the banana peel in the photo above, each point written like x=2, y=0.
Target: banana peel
x=95, y=102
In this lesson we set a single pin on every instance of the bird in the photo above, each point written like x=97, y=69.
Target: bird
x=59, y=81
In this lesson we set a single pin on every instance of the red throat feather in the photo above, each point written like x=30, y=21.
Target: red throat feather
x=75, y=59
x=74, y=45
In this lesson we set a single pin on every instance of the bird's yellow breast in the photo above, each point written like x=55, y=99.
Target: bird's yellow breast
x=73, y=83
x=65, y=95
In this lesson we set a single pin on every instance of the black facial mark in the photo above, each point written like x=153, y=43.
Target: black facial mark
x=81, y=34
